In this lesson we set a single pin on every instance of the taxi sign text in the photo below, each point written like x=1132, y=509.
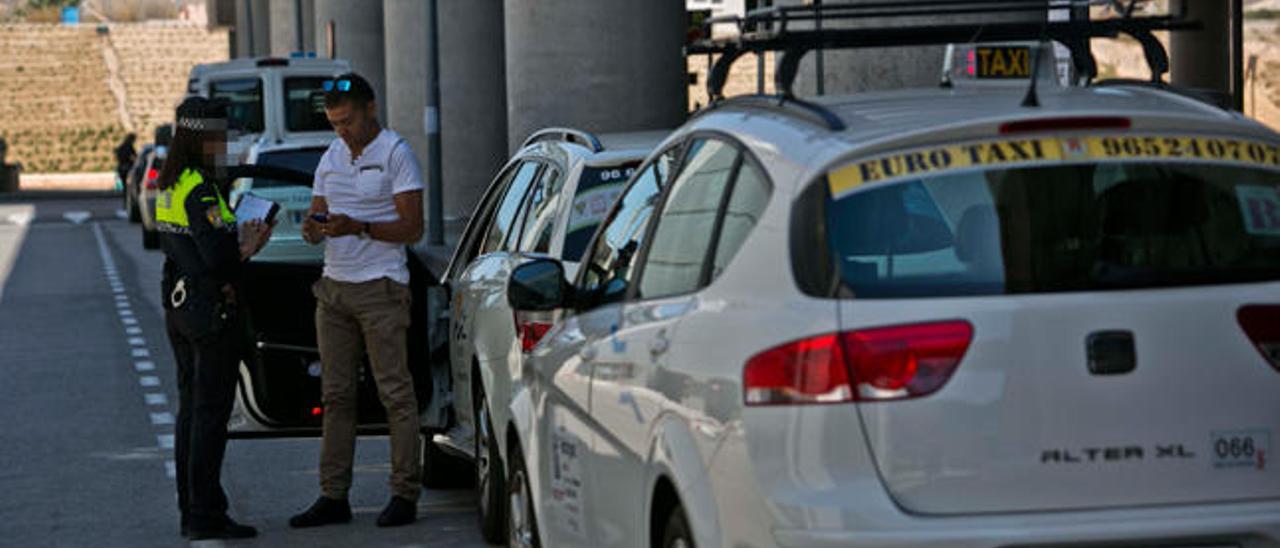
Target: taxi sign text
x=1014, y=152
x=1001, y=62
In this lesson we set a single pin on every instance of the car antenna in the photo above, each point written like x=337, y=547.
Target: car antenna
x=1031, y=100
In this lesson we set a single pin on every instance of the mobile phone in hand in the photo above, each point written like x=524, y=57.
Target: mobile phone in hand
x=320, y=217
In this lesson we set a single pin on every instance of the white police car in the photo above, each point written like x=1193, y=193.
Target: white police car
x=969, y=316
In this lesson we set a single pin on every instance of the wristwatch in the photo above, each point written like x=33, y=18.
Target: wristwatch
x=365, y=232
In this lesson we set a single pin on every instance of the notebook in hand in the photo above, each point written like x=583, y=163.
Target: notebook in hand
x=252, y=208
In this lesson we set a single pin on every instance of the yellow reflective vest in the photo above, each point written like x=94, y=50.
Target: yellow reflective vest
x=171, y=210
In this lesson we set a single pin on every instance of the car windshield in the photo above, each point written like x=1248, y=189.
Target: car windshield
x=304, y=104
x=1058, y=228
x=244, y=102
x=598, y=187
x=301, y=160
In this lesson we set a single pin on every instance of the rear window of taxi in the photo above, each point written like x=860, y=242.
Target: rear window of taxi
x=1036, y=215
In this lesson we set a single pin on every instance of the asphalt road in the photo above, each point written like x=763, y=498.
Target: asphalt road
x=87, y=398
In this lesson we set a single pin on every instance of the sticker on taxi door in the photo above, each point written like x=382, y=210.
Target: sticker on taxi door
x=1240, y=449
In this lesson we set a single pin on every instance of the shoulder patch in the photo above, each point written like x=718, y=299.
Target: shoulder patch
x=215, y=216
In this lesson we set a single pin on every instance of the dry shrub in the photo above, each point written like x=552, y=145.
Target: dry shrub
x=48, y=14
x=123, y=11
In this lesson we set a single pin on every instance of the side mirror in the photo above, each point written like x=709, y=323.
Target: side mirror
x=538, y=285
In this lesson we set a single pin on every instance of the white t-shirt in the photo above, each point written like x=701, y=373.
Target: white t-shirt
x=363, y=189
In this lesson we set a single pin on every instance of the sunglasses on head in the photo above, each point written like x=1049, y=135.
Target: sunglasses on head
x=340, y=85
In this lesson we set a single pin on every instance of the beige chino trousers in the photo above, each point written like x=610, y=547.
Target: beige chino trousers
x=352, y=318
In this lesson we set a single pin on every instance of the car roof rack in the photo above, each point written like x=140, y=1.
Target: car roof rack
x=780, y=103
x=773, y=29
x=565, y=135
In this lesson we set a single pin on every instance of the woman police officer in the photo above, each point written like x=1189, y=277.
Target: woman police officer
x=203, y=254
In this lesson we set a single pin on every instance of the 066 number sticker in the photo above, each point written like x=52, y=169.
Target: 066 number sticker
x=1240, y=448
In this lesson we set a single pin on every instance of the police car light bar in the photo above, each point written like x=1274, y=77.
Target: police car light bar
x=776, y=29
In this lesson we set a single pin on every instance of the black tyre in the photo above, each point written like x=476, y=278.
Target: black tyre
x=443, y=470
x=131, y=206
x=150, y=239
x=676, y=534
x=522, y=521
x=490, y=475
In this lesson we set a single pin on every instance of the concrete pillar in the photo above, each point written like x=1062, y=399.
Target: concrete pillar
x=854, y=71
x=253, y=28
x=358, y=38
x=473, y=97
x=1202, y=58
x=285, y=18
x=597, y=65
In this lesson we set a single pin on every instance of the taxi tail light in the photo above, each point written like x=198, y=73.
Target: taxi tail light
x=1071, y=123
x=1262, y=324
x=878, y=364
x=905, y=361
x=152, y=175
x=529, y=330
x=801, y=372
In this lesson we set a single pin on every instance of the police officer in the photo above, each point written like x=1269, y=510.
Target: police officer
x=203, y=255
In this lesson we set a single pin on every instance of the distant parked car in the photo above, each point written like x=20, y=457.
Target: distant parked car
x=147, y=192
x=133, y=183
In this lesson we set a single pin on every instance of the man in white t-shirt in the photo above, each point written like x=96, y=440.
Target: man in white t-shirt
x=366, y=205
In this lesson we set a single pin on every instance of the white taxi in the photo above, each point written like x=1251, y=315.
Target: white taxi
x=934, y=317
x=547, y=201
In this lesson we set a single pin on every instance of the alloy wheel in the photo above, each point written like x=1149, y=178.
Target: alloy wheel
x=521, y=522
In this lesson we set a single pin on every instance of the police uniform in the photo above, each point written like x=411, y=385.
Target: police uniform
x=201, y=271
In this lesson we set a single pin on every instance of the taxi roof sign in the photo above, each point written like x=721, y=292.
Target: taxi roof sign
x=1000, y=63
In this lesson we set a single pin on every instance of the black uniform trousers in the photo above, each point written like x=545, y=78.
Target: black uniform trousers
x=207, y=372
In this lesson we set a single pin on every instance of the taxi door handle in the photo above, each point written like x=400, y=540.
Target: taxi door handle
x=587, y=353
x=659, y=344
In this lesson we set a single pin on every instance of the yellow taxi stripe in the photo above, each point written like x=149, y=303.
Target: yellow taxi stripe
x=1012, y=152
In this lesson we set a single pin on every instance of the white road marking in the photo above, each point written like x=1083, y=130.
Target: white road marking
x=133, y=330
x=125, y=312
x=137, y=341
x=156, y=399
x=123, y=304
x=21, y=219
x=149, y=380
x=117, y=289
x=165, y=441
x=122, y=214
x=170, y=470
x=141, y=353
x=163, y=417
x=144, y=366
x=129, y=321
x=77, y=217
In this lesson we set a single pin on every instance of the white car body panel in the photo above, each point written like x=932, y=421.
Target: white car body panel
x=618, y=399
x=482, y=335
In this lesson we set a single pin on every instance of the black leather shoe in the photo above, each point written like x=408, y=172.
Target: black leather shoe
x=323, y=512
x=399, y=511
x=229, y=529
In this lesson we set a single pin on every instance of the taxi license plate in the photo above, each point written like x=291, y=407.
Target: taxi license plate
x=1001, y=62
